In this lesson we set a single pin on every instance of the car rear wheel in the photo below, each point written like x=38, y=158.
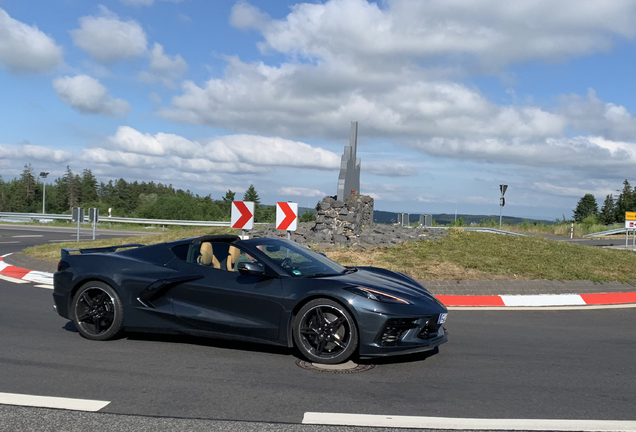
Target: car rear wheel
x=97, y=311
x=325, y=332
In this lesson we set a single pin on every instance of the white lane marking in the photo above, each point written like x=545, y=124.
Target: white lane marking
x=44, y=286
x=52, y=402
x=13, y=280
x=10, y=242
x=39, y=277
x=543, y=300
x=414, y=422
x=27, y=236
x=542, y=308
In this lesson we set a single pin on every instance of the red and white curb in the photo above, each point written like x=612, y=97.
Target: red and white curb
x=23, y=275
x=543, y=300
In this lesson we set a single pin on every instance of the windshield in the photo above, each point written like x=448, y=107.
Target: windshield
x=295, y=259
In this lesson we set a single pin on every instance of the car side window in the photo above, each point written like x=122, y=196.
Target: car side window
x=219, y=255
x=243, y=257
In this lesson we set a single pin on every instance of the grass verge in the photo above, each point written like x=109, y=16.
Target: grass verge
x=462, y=255
x=465, y=255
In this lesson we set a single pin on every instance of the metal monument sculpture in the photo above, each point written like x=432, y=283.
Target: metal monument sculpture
x=349, y=178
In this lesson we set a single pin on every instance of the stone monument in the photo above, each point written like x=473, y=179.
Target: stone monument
x=340, y=218
x=349, y=178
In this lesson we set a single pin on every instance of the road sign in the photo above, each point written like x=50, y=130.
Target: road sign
x=243, y=215
x=78, y=214
x=503, y=189
x=502, y=201
x=630, y=216
x=286, y=216
x=93, y=214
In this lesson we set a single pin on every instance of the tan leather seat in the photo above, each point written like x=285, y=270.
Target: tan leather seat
x=232, y=255
x=206, y=256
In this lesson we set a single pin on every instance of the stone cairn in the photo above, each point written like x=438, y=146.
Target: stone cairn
x=341, y=222
x=349, y=223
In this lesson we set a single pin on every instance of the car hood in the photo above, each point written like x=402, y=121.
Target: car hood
x=386, y=281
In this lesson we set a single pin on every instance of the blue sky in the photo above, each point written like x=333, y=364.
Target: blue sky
x=453, y=97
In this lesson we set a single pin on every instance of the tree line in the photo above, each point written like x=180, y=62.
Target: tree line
x=613, y=208
x=150, y=200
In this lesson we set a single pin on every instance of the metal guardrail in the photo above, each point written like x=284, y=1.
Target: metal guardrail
x=482, y=229
x=35, y=217
x=604, y=233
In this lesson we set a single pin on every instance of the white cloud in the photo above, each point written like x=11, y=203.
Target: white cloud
x=246, y=16
x=487, y=32
x=389, y=169
x=305, y=100
x=301, y=191
x=108, y=39
x=34, y=152
x=25, y=48
x=232, y=153
x=89, y=96
x=575, y=191
x=163, y=68
x=590, y=114
x=595, y=154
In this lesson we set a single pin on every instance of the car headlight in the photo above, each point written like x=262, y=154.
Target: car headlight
x=376, y=295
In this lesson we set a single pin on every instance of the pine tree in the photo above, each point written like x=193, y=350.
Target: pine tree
x=607, y=216
x=229, y=196
x=88, y=188
x=625, y=202
x=252, y=195
x=70, y=181
x=29, y=183
x=586, y=207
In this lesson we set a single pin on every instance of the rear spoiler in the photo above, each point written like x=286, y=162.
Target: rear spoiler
x=107, y=249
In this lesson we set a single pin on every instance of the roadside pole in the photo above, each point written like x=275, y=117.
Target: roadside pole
x=502, y=200
x=93, y=215
x=78, y=216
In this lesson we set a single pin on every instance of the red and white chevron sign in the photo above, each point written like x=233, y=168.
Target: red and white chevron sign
x=243, y=215
x=286, y=216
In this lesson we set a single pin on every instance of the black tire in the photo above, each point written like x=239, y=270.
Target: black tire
x=325, y=332
x=97, y=311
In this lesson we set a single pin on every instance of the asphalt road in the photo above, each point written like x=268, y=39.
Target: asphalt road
x=14, y=238
x=497, y=364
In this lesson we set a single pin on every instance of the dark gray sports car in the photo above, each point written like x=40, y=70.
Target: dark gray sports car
x=266, y=290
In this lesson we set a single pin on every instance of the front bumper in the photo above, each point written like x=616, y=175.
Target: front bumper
x=404, y=346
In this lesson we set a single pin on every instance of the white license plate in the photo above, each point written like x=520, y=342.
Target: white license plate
x=442, y=318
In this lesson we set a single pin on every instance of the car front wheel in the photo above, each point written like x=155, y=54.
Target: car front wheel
x=97, y=311
x=325, y=332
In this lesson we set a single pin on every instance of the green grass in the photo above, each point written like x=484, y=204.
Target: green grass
x=462, y=255
x=465, y=255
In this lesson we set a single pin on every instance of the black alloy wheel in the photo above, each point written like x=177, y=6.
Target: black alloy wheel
x=325, y=332
x=97, y=311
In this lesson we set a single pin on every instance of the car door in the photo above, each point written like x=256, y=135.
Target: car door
x=224, y=301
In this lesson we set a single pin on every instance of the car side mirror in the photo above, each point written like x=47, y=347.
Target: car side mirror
x=252, y=269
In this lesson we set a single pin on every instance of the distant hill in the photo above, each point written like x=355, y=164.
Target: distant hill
x=445, y=218
x=441, y=219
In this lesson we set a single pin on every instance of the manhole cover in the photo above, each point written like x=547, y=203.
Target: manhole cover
x=344, y=368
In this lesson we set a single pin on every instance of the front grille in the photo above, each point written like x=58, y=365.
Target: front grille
x=430, y=329
x=394, y=329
